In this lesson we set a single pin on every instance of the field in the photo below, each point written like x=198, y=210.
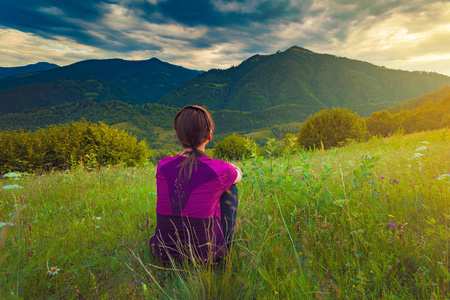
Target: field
x=369, y=220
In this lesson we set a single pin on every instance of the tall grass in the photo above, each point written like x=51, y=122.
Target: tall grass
x=369, y=220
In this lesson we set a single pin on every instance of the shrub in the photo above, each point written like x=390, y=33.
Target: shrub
x=60, y=147
x=233, y=147
x=334, y=128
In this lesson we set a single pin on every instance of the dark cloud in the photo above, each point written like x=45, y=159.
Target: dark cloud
x=78, y=20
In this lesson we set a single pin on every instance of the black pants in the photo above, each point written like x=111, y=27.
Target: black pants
x=228, y=211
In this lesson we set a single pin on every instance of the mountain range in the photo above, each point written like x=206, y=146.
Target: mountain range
x=136, y=82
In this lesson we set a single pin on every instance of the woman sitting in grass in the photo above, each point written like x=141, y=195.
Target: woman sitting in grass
x=196, y=196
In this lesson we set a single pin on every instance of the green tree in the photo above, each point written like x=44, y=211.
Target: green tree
x=232, y=147
x=382, y=123
x=333, y=128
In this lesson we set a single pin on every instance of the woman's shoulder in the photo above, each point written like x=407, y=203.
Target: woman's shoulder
x=167, y=160
x=215, y=163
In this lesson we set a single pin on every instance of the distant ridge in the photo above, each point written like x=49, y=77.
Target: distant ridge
x=40, y=66
x=300, y=76
x=146, y=81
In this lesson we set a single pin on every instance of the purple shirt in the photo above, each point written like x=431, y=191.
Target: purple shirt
x=188, y=214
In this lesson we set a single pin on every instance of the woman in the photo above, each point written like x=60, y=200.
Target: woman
x=196, y=196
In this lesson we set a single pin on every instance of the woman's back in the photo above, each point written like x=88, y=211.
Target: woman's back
x=189, y=212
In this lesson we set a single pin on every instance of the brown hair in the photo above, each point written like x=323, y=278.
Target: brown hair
x=192, y=124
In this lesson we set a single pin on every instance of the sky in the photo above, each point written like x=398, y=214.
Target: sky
x=409, y=35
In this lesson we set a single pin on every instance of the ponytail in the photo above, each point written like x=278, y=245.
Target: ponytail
x=193, y=125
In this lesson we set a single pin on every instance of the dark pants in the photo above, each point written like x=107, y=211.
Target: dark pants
x=228, y=211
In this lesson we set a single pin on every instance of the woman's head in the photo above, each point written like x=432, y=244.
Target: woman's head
x=193, y=125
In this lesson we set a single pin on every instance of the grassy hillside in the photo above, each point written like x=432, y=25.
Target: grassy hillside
x=299, y=76
x=368, y=220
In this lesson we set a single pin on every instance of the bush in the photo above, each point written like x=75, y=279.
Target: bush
x=333, y=128
x=60, y=147
x=233, y=147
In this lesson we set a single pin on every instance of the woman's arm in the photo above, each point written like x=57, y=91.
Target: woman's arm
x=239, y=173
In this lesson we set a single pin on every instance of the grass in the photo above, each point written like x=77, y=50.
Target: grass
x=368, y=220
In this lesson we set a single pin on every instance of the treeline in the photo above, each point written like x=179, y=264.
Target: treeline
x=62, y=147
x=148, y=121
x=426, y=113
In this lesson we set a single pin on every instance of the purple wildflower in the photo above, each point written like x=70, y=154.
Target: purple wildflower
x=390, y=224
x=382, y=177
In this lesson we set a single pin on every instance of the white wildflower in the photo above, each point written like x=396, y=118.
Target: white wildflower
x=12, y=175
x=445, y=176
x=12, y=186
x=422, y=148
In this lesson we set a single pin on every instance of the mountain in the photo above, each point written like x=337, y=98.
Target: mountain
x=41, y=66
x=38, y=94
x=299, y=76
x=146, y=80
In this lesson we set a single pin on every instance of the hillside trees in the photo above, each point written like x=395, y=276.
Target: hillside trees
x=59, y=147
x=430, y=115
x=333, y=128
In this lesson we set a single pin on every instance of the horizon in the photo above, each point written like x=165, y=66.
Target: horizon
x=144, y=59
x=218, y=34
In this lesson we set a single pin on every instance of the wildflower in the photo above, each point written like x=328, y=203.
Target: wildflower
x=12, y=186
x=444, y=177
x=390, y=224
x=382, y=177
x=12, y=175
x=356, y=252
x=98, y=218
x=417, y=155
x=53, y=271
x=422, y=148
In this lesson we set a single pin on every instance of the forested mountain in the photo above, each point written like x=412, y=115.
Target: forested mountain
x=62, y=91
x=299, y=76
x=147, y=81
x=41, y=66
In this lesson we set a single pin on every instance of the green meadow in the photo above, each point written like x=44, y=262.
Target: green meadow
x=366, y=221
